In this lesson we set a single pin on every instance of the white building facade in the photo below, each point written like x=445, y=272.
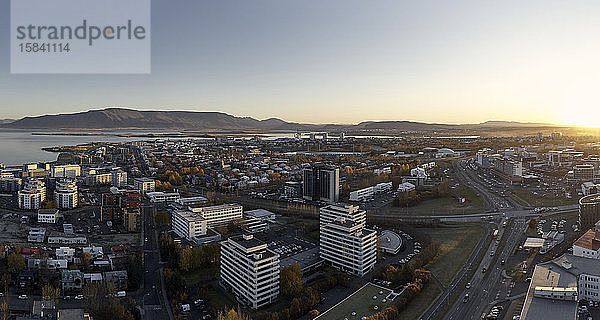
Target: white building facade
x=66, y=195
x=188, y=225
x=144, y=184
x=71, y=171
x=32, y=195
x=220, y=214
x=47, y=215
x=345, y=243
x=250, y=270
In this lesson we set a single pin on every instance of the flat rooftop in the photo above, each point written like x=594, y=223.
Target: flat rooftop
x=561, y=272
x=589, y=240
x=304, y=258
x=260, y=213
x=247, y=243
x=390, y=240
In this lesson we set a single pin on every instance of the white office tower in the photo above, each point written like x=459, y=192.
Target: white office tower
x=250, y=270
x=65, y=194
x=32, y=195
x=334, y=212
x=344, y=241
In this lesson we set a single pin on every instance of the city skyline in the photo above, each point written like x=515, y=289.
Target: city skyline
x=313, y=62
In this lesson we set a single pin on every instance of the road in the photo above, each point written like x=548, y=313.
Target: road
x=444, y=298
x=489, y=287
x=151, y=303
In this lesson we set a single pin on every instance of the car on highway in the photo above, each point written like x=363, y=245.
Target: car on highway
x=468, y=286
x=466, y=298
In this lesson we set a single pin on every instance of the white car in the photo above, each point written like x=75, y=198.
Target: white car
x=79, y=297
x=23, y=297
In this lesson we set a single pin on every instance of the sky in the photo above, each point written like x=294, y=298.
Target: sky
x=346, y=61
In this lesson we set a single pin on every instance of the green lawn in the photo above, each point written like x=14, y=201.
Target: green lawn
x=361, y=302
x=541, y=201
x=438, y=206
x=458, y=241
x=417, y=306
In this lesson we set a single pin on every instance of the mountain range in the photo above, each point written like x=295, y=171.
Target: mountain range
x=121, y=118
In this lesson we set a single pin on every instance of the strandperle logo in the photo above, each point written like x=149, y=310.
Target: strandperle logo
x=80, y=36
x=91, y=33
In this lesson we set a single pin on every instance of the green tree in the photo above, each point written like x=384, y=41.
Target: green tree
x=15, y=262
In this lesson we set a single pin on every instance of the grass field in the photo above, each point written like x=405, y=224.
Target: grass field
x=457, y=244
x=458, y=241
x=540, y=201
x=416, y=307
x=439, y=206
x=361, y=302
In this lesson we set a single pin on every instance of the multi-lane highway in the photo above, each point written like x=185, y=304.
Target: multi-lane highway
x=486, y=286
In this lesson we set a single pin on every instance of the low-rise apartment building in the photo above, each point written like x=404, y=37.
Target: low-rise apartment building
x=47, y=215
x=66, y=195
x=144, y=184
x=188, y=224
x=220, y=214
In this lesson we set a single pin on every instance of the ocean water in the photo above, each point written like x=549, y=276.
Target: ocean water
x=21, y=146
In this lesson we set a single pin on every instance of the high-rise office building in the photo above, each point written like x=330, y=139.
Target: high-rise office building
x=250, y=270
x=321, y=183
x=345, y=243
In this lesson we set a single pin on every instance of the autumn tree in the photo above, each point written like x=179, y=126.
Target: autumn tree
x=291, y=280
x=4, y=282
x=50, y=205
x=101, y=301
x=4, y=311
x=190, y=259
x=50, y=293
x=232, y=315
x=15, y=262
x=86, y=260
